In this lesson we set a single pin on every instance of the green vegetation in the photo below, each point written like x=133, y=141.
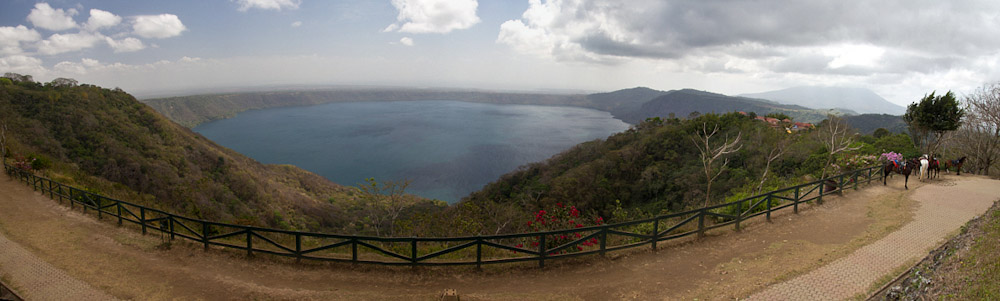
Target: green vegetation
x=653, y=168
x=107, y=142
x=980, y=269
x=931, y=118
x=869, y=123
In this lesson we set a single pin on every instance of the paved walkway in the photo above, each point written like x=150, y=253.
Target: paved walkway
x=940, y=213
x=35, y=279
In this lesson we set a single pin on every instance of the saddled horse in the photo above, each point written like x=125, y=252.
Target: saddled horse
x=904, y=168
x=956, y=163
x=934, y=170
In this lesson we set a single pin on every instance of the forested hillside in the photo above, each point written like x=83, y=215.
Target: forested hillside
x=106, y=141
x=193, y=110
x=868, y=123
x=682, y=103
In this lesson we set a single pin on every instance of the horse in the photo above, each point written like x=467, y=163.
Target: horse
x=934, y=169
x=956, y=163
x=904, y=168
x=924, y=163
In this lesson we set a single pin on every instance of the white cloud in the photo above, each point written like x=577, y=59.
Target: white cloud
x=46, y=17
x=90, y=62
x=296, y=23
x=70, y=67
x=880, y=45
x=21, y=64
x=129, y=44
x=60, y=43
x=267, y=4
x=158, y=26
x=434, y=16
x=11, y=38
x=406, y=41
x=100, y=19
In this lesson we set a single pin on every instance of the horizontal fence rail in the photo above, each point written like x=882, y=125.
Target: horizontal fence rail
x=439, y=251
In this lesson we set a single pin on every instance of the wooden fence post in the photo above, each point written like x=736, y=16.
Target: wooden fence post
x=354, y=249
x=604, y=240
x=795, y=204
x=739, y=214
x=413, y=251
x=822, y=184
x=541, y=251
x=142, y=218
x=701, y=222
x=204, y=234
x=118, y=204
x=249, y=242
x=170, y=221
x=768, y=201
x=656, y=231
x=298, y=246
x=479, y=253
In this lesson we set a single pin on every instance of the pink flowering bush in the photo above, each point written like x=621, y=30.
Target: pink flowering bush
x=559, y=218
x=890, y=156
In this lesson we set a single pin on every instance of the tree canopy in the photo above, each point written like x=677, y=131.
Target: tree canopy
x=933, y=115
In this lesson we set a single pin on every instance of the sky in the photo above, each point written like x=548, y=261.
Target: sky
x=902, y=50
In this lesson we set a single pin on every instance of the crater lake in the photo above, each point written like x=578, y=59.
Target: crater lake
x=446, y=149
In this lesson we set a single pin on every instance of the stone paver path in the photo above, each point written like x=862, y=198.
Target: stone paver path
x=35, y=279
x=943, y=209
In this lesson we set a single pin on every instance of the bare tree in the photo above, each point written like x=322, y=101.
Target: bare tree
x=837, y=136
x=710, y=153
x=979, y=136
x=777, y=150
x=384, y=203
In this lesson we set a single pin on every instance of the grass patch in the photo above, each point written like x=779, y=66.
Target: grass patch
x=980, y=269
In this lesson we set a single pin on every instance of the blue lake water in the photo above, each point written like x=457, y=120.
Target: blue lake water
x=447, y=149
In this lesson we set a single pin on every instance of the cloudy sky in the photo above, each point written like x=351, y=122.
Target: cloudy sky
x=900, y=49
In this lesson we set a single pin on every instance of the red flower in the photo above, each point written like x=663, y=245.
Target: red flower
x=534, y=244
x=579, y=248
x=529, y=223
x=579, y=226
x=577, y=235
x=559, y=204
x=520, y=245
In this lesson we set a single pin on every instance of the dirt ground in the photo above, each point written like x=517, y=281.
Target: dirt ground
x=725, y=265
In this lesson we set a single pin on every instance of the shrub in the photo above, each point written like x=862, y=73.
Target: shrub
x=560, y=218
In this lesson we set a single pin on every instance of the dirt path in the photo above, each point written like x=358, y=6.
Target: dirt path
x=726, y=265
x=944, y=207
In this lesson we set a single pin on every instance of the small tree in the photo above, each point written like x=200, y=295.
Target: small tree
x=64, y=82
x=710, y=153
x=384, y=203
x=837, y=136
x=880, y=132
x=775, y=150
x=931, y=118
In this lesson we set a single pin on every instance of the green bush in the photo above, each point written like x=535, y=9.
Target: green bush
x=39, y=162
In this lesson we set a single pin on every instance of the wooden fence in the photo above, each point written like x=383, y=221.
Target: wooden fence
x=469, y=250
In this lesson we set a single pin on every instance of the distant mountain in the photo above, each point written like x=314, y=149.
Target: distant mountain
x=868, y=123
x=682, y=103
x=622, y=102
x=857, y=99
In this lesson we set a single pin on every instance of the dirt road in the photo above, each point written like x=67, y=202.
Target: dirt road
x=726, y=265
